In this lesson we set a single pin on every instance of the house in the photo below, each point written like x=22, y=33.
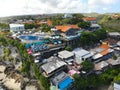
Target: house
x=94, y=27
x=114, y=63
x=68, y=15
x=101, y=66
x=112, y=42
x=115, y=16
x=28, y=22
x=102, y=52
x=81, y=55
x=106, y=51
x=93, y=23
x=67, y=56
x=116, y=86
x=62, y=81
x=68, y=31
x=92, y=20
x=47, y=22
x=97, y=57
x=118, y=43
x=52, y=67
x=114, y=35
x=66, y=28
x=17, y=27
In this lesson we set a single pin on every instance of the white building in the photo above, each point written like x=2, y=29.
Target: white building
x=67, y=56
x=16, y=27
x=68, y=15
x=116, y=86
x=82, y=55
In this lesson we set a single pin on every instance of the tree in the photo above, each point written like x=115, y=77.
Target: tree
x=84, y=24
x=101, y=34
x=45, y=28
x=45, y=82
x=87, y=38
x=80, y=82
x=87, y=65
x=109, y=18
x=78, y=15
x=115, y=57
x=93, y=80
x=30, y=26
x=68, y=48
x=36, y=71
x=4, y=26
x=91, y=38
x=26, y=67
x=117, y=78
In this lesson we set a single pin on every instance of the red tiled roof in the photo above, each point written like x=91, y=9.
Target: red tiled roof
x=66, y=28
x=89, y=18
x=49, y=22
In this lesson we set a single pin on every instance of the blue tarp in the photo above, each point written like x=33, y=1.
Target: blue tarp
x=65, y=84
x=36, y=43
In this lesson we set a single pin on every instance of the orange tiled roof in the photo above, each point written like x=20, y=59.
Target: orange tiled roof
x=106, y=47
x=49, y=22
x=105, y=52
x=89, y=18
x=66, y=28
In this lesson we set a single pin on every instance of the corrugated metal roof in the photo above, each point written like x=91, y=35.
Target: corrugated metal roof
x=81, y=52
x=52, y=65
x=65, y=54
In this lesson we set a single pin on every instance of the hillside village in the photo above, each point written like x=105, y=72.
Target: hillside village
x=66, y=52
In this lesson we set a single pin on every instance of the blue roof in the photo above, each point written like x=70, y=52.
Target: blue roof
x=65, y=84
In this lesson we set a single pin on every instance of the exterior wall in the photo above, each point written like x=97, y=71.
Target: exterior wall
x=93, y=22
x=71, y=32
x=17, y=28
x=116, y=86
x=105, y=57
x=117, y=37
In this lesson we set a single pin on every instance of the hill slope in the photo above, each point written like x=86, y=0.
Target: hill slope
x=111, y=24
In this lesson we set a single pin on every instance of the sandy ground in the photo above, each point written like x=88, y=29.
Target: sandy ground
x=30, y=88
x=10, y=83
x=2, y=75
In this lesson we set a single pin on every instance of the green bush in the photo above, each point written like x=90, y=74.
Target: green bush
x=115, y=57
x=68, y=48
